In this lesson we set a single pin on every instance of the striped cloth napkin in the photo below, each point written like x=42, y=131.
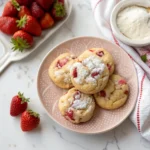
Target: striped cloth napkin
x=141, y=56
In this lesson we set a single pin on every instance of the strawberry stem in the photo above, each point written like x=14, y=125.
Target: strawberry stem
x=15, y=4
x=22, y=22
x=23, y=99
x=19, y=44
x=60, y=9
x=32, y=113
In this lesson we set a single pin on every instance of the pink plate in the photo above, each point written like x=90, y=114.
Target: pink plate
x=103, y=120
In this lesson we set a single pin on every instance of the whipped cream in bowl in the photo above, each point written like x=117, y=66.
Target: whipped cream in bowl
x=130, y=22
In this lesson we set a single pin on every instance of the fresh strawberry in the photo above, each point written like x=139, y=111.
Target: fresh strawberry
x=30, y=25
x=8, y=25
x=62, y=62
x=29, y=120
x=18, y=104
x=74, y=73
x=45, y=4
x=36, y=10
x=58, y=11
x=24, y=11
x=46, y=21
x=24, y=2
x=102, y=93
x=21, y=40
x=11, y=9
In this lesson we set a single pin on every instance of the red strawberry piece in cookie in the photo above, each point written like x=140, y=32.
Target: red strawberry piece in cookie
x=75, y=74
x=100, y=53
x=122, y=82
x=126, y=92
x=94, y=74
x=109, y=67
x=77, y=95
x=102, y=93
x=62, y=62
x=69, y=114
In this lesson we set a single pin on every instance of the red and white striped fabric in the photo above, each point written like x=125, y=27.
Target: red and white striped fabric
x=141, y=115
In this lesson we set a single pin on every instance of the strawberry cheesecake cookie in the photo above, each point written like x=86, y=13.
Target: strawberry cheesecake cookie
x=114, y=94
x=76, y=106
x=104, y=55
x=59, y=70
x=89, y=74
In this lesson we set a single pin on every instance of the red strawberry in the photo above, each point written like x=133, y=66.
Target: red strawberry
x=46, y=21
x=30, y=25
x=11, y=9
x=69, y=114
x=21, y=40
x=18, y=104
x=58, y=11
x=29, y=120
x=74, y=73
x=24, y=2
x=62, y=62
x=36, y=10
x=23, y=11
x=45, y=4
x=102, y=93
x=8, y=25
x=100, y=53
x=94, y=74
x=122, y=81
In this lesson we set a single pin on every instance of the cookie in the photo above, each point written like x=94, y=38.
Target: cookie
x=114, y=94
x=59, y=70
x=89, y=74
x=76, y=106
x=104, y=55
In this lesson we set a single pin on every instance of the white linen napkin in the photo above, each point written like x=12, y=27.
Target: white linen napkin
x=141, y=115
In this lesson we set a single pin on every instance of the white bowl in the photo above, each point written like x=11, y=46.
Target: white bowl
x=120, y=6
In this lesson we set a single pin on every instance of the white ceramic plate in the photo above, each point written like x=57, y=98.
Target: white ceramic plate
x=7, y=55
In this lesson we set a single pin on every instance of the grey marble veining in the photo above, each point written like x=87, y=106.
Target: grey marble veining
x=21, y=76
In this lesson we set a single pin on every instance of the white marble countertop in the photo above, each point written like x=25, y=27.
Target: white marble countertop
x=21, y=76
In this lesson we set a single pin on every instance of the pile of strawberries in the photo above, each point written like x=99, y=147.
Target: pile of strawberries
x=29, y=119
x=27, y=18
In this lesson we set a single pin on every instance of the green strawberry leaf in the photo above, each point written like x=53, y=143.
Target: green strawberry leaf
x=32, y=113
x=144, y=58
x=23, y=99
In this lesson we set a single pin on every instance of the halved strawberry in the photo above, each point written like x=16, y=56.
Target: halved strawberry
x=102, y=93
x=122, y=82
x=21, y=40
x=62, y=62
x=100, y=53
x=94, y=74
x=74, y=73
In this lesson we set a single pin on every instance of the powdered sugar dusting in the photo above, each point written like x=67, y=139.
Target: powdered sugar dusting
x=82, y=103
x=94, y=65
x=59, y=72
x=81, y=71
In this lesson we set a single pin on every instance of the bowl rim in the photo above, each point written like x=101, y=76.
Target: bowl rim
x=37, y=85
x=121, y=5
